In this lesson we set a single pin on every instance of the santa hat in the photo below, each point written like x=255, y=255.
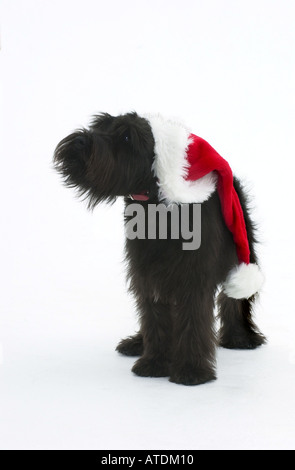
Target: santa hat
x=189, y=170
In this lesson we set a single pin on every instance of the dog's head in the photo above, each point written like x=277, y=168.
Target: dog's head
x=113, y=157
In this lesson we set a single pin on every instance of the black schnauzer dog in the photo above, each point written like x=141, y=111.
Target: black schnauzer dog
x=146, y=160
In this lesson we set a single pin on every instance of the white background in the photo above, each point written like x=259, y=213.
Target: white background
x=227, y=68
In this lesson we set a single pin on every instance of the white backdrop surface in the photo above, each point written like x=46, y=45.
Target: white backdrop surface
x=227, y=68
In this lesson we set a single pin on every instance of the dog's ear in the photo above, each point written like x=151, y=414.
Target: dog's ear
x=71, y=156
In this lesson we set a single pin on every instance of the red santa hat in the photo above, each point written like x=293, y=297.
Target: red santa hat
x=189, y=170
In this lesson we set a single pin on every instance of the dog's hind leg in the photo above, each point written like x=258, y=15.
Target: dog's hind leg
x=237, y=328
x=131, y=346
x=156, y=333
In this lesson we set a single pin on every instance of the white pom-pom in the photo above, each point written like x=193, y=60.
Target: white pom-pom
x=243, y=281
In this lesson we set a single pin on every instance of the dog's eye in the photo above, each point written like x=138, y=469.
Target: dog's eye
x=126, y=138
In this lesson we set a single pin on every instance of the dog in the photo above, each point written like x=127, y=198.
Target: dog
x=145, y=160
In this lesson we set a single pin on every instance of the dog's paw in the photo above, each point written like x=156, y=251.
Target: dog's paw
x=151, y=367
x=131, y=346
x=246, y=340
x=190, y=375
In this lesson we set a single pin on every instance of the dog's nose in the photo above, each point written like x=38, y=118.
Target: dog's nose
x=72, y=150
x=80, y=141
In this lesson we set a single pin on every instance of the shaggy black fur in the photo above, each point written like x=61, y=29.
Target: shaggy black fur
x=174, y=289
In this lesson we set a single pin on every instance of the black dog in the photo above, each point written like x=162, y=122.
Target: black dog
x=174, y=288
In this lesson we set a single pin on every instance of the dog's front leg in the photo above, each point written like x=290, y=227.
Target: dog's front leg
x=156, y=332
x=194, y=341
